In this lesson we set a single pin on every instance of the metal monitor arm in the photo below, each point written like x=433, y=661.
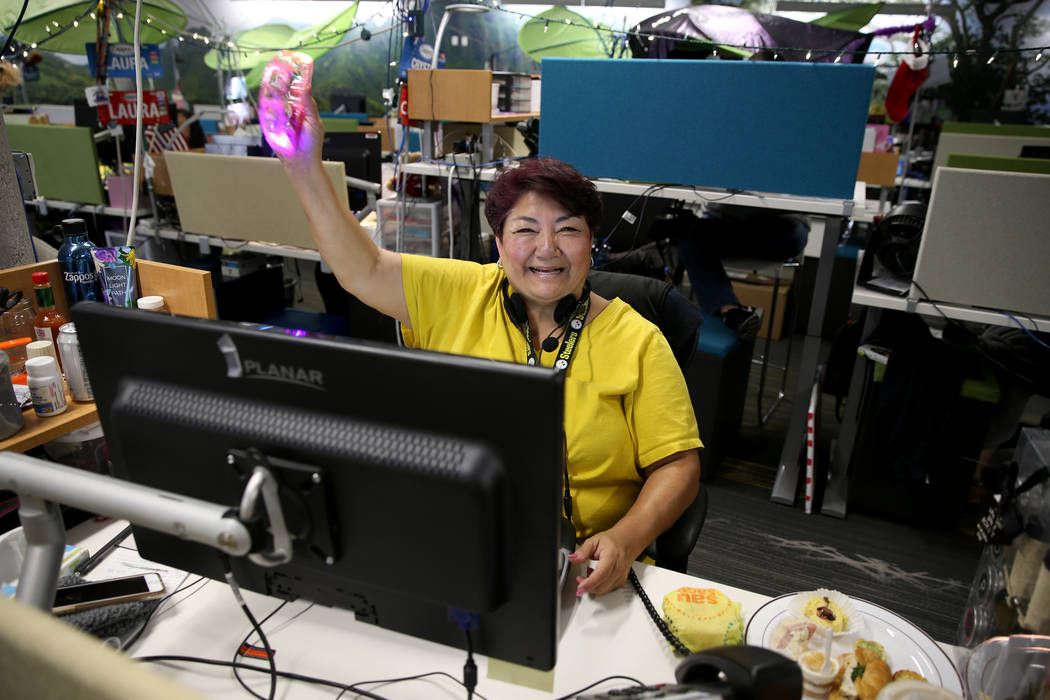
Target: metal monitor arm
x=41, y=486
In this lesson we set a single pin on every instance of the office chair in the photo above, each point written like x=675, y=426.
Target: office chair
x=679, y=320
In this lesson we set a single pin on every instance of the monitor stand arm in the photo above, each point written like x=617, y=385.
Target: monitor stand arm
x=41, y=486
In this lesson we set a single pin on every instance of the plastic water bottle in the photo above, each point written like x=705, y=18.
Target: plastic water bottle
x=78, y=267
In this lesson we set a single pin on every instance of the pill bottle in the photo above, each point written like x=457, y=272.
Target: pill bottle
x=45, y=386
x=153, y=303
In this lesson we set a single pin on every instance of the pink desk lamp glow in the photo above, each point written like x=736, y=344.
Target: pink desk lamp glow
x=283, y=94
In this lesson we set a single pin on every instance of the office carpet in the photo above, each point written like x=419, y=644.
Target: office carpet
x=752, y=543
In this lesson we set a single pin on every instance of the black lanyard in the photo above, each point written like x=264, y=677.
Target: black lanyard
x=568, y=345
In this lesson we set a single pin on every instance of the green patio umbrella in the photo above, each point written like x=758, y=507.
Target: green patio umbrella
x=253, y=48
x=50, y=23
x=564, y=33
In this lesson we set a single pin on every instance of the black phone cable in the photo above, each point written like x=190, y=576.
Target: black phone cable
x=236, y=590
x=676, y=644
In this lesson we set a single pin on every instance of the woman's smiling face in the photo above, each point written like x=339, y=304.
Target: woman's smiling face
x=545, y=250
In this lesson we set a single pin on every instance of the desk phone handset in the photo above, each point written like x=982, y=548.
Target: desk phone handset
x=732, y=673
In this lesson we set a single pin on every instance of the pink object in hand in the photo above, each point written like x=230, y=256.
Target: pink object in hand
x=282, y=99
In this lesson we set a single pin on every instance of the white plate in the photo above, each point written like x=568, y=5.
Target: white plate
x=906, y=645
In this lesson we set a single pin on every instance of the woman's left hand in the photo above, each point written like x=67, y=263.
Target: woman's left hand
x=612, y=562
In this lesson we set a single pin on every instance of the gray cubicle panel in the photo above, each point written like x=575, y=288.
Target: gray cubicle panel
x=986, y=241
x=987, y=140
x=242, y=197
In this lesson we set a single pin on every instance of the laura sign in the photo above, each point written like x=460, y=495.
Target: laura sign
x=121, y=108
x=120, y=60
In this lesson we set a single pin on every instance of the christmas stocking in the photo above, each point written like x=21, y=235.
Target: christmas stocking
x=910, y=75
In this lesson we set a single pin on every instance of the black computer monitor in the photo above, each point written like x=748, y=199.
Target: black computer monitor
x=414, y=482
x=361, y=153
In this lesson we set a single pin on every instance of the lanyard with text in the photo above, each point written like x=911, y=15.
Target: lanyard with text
x=568, y=346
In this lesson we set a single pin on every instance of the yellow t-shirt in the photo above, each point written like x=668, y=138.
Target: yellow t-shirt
x=626, y=403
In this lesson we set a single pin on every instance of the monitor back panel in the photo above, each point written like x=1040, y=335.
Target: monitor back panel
x=65, y=159
x=791, y=128
x=242, y=197
x=985, y=242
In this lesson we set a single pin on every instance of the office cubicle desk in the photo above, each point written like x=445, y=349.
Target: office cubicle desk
x=186, y=292
x=600, y=637
x=843, y=453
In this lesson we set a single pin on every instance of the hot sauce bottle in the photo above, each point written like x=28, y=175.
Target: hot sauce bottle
x=48, y=318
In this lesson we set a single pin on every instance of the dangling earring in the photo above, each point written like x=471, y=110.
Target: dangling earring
x=499, y=264
x=592, y=262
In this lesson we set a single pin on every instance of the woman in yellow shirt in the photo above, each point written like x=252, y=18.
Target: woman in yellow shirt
x=631, y=436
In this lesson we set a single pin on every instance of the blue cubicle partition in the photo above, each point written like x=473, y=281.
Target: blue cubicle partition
x=779, y=127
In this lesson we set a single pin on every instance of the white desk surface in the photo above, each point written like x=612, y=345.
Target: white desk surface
x=802, y=205
x=869, y=297
x=81, y=208
x=601, y=637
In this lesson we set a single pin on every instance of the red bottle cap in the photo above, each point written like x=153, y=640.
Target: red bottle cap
x=40, y=278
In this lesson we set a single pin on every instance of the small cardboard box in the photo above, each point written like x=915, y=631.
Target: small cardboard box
x=761, y=297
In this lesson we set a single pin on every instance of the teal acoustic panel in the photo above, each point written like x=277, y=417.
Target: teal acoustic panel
x=777, y=127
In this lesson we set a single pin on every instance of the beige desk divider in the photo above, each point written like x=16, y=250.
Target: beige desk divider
x=242, y=197
x=187, y=291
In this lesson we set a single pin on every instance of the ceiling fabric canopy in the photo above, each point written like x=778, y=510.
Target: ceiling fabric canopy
x=690, y=32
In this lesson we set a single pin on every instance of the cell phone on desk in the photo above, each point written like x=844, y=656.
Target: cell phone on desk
x=90, y=594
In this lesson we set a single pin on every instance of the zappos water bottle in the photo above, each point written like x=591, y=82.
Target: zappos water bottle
x=78, y=267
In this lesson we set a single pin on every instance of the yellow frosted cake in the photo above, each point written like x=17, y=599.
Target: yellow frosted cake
x=703, y=618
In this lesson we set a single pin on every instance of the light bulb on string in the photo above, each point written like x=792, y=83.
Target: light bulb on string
x=955, y=61
x=809, y=55
x=33, y=45
x=1039, y=56
x=181, y=38
x=838, y=59
x=205, y=41
x=992, y=58
x=120, y=15
x=92, y=15
x=546, y=26
x=76, y=23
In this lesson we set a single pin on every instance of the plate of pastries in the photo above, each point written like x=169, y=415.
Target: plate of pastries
x=850, y=649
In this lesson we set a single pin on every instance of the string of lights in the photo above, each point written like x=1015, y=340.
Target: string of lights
x=321, y=40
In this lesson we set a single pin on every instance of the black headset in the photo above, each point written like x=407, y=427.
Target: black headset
x=565, y=309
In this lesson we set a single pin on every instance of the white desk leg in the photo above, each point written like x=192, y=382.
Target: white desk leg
x=488, y=139
x=788, y=472
x=836, y=490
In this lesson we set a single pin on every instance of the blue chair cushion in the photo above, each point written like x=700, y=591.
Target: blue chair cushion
x=715, y=338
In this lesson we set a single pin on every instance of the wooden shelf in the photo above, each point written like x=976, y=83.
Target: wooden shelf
x=39, y=430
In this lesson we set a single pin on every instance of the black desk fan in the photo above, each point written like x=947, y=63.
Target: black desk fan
x=889, y=258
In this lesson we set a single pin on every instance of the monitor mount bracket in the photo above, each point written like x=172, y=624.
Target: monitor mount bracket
x=41, y=486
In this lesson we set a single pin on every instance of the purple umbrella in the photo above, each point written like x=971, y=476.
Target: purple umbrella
x=691, y=32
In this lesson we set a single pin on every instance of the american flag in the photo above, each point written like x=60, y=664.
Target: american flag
x=171, y=139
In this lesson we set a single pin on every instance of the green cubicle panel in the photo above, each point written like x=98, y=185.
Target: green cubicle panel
x=1022, y=130
x=999, y=163
x=339, y=124
x=64, y=158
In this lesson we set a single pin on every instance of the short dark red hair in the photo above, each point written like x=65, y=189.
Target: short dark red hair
x=550, y=178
